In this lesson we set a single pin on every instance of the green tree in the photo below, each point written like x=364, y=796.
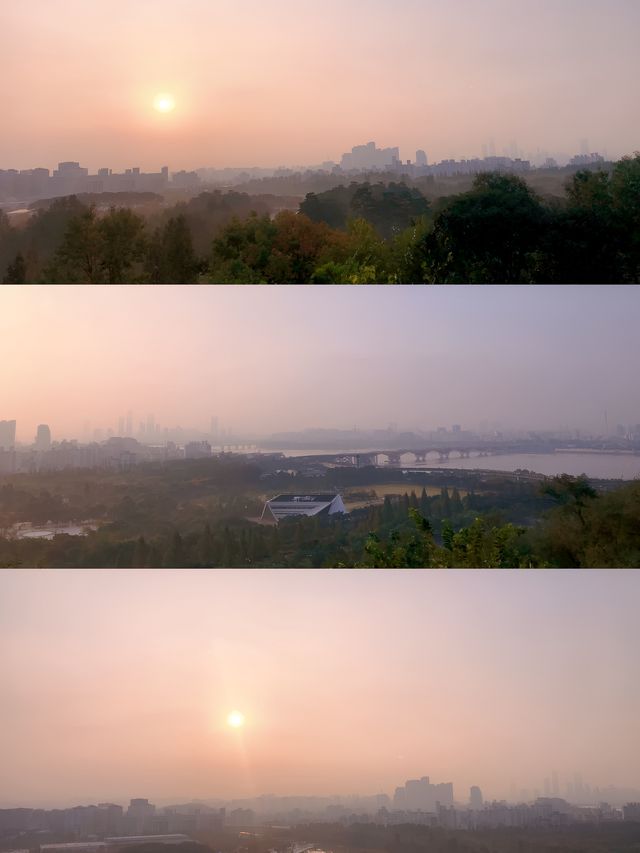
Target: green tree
x=122, y=245
x=78, y=260
x=625, y=199
x=170, y=255
x=491, y=234
x=17, y=271
x=573, y=493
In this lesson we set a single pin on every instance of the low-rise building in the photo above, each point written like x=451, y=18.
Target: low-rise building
x=288, y=506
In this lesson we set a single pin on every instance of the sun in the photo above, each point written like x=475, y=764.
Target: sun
x=235, y=720
x=164, y=103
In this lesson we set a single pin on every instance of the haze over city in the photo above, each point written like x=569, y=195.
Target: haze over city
x=290, y=358
x=214, y=84
x=348, y=682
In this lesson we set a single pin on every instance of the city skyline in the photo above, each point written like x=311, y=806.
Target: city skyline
x=418, y=357
x=456, y=78
x=488, y=680
x=574, y=790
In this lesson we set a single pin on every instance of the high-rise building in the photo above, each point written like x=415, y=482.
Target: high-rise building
x=129, y=431
x=139, y=807
x=7, y=435
x=475, y=797
x=197, y=450
x=139, y=815
x=369, y=157
x=43, y=437
x=421, y=158
x=422, y=795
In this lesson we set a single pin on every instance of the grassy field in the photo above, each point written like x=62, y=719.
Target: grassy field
x=383, y=489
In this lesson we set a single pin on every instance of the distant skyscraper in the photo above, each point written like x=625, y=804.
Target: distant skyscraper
x=215, y=428
x=421, y=158
x=129, y=423
x=421, y=795
x=121, y=426
x=555, y=788
x=475, y=797
x=369, y=157
x=7, y=435
x=43, y=437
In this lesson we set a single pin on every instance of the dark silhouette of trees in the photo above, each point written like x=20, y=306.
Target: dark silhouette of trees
x=170, y=255
x=389, y=208
x=490, y=234
x=98, y=249
x=499, y=231
x=17, y=271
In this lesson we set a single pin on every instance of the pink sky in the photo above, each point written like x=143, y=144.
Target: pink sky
x=302, y=82
x=265, y=359
x=118, y=684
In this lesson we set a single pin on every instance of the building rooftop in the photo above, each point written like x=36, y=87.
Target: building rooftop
x=283, y=506
x=302, y=498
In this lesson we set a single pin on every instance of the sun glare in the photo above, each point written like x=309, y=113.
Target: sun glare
x=235, y=720
x=164, y=103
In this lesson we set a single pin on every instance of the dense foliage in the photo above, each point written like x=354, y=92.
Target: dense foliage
x=206, y=513
x=500, y=230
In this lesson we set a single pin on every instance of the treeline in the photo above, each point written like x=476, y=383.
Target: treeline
x=500, y=231
x=71, y=239
x=582, y=528
x=413, y=838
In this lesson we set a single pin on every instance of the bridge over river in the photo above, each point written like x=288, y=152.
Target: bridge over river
x=443, y=452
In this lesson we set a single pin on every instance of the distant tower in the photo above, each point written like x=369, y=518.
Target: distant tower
x=215, y=428
x=421, y=158
x=43, y=437
x=7, y=435
x=555, y=787
x=475, y=797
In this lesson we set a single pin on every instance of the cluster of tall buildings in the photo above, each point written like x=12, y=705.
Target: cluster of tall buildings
x=422, y=795
x=115, y=453
x=111, y=822
x=116, y=449
x=70, y=178
x=41, y=444
x=545, y=812
x=364, y=158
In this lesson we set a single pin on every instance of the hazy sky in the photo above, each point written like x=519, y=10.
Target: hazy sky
x=118, y=684
x=266, y=359
x=296, y=81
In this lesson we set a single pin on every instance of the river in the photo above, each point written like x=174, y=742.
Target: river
x=604, y=466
